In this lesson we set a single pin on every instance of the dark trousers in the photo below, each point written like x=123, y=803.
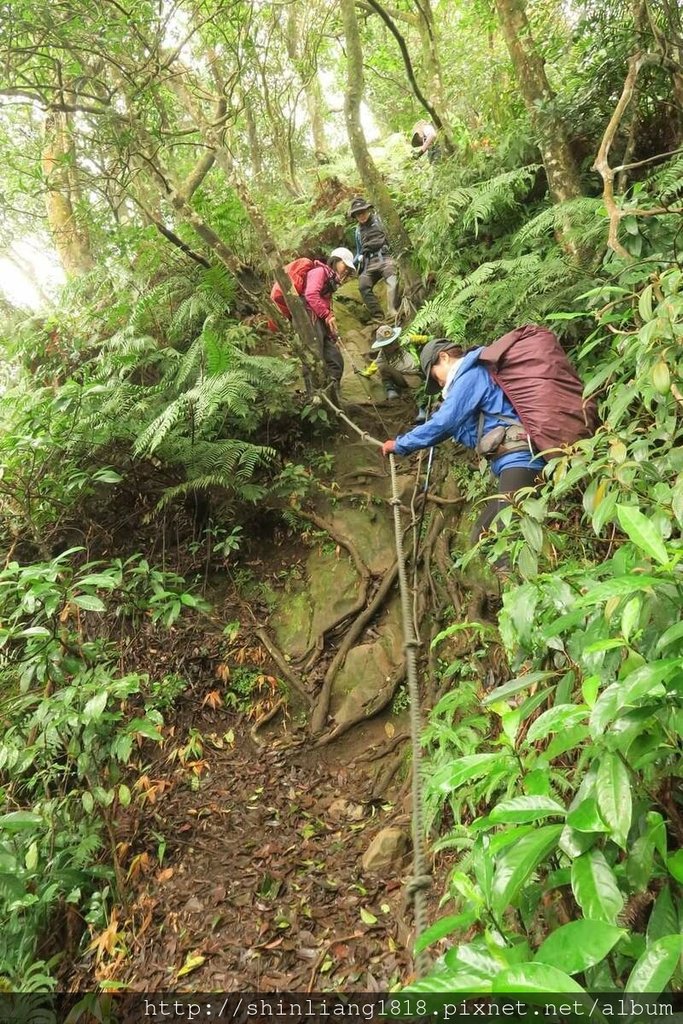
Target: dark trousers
x=374, y=270
x=509, y=481
x=329, y=351
x=400, y=381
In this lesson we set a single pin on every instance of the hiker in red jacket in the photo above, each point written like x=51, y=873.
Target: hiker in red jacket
x=316, y=282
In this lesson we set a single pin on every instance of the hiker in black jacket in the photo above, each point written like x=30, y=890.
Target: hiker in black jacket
x=373, y=259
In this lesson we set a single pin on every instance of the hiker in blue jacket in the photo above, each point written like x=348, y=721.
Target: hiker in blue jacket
x=477, y=413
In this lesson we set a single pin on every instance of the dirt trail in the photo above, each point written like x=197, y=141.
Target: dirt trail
x=250, y=877
x=262, y=873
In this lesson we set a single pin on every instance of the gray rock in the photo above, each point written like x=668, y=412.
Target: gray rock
x=386, y=851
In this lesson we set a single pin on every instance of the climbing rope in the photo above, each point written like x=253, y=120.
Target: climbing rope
x=421, y=880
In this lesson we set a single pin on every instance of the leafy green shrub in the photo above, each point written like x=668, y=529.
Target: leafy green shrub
x=561, y=783
x=73, y=728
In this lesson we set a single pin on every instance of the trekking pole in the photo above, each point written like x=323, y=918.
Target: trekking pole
x=418, y=534
x=425, y=489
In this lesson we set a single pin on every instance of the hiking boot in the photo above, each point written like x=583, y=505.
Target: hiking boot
x=392, y=395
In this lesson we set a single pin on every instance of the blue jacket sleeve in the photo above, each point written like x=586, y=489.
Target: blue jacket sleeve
x=462, y=400
x=359, y=254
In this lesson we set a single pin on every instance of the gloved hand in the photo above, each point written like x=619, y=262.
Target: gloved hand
x=369, y=370
x=388, y=447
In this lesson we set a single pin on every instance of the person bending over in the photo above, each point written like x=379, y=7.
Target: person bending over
x=476, y=413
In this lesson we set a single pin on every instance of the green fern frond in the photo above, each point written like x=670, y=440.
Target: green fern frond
x=580, y=219
x=667, y=182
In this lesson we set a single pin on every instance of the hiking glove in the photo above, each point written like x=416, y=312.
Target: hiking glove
x=369, y=370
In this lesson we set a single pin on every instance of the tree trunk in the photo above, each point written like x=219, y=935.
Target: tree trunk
x=560, y=167
x=255, y=153
x=310, y=82
x=314, y=105
x=308, y=349
x=372, y=179
x=430, y=57
x=70, y=238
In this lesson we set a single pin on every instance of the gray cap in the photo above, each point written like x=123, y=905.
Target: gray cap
x=428, y=356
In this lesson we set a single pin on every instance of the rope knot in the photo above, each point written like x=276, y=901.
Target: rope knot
x=416, y=884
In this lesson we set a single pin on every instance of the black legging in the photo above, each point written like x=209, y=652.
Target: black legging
x=331, y=356
x=509, y=481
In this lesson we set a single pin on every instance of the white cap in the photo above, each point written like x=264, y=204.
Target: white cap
x=345, y=255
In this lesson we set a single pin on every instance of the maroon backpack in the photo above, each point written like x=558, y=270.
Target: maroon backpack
x=532, y=368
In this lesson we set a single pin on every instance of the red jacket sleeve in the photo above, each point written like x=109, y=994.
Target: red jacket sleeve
x=320, y=304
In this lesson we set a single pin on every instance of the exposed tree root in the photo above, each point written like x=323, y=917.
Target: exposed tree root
x=312, y=655
x=263, y=720
x=279, y=659
x=383, y=696
x=377, y=753
x=319, y=716
x=385, y=776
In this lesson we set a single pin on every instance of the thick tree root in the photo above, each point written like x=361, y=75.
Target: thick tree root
x=279, y=659
x=263, y=720
x=319, y=716
x=377, y=753
x=312, y=655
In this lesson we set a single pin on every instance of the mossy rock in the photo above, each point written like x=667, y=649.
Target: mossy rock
x=330, y=588
x=366, y=674
x=371, y=530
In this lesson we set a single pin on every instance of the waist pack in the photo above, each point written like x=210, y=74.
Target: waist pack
x=533, y=370
x=502, y=440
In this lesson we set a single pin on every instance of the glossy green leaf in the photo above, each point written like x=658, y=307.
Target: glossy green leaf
x=20, y=821
x=465, y=769
x=515, y=686
x=656, y=965
x=595, y=887
x=586, y=817
x=562, y=716
x=640, y=863
x=674, y=865
x=444, y=926
x=97, y=579
x=534, y=977
x=613, y=791
x=642, y=532
x=96, y=705
x=663, y=918
x=451, y=982
x=522, y=809
x=516, y=864
x=89, y=603
x=670, y=636
x=618, y=586
x=645, y=678
x=578, y=945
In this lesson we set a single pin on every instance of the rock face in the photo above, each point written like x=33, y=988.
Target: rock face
x=312, y=604
x=386, y=851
